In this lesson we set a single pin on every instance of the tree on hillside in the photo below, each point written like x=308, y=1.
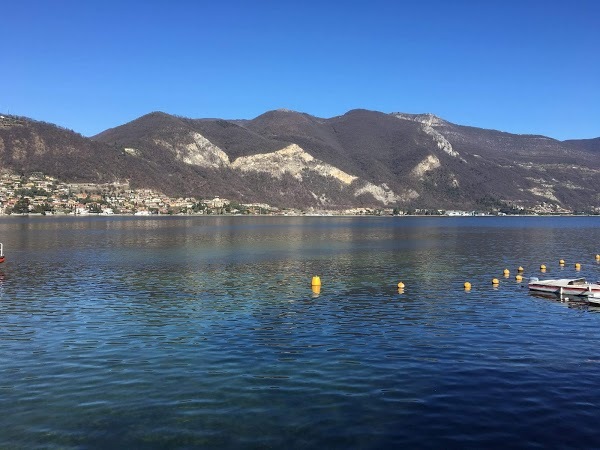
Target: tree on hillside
x=21, y=207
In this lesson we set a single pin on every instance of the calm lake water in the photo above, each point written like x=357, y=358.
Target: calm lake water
x=195, y=332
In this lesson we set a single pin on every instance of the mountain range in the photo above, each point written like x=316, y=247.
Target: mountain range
x=290, y=159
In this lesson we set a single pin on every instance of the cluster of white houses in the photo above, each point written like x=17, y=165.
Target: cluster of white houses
x=41, y=194
x=45, y=195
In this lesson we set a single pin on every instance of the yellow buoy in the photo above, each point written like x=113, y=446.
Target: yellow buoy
x=543, y=267
x=577, y=266
x=495, y=281
x=520, y=269
x=518, y=277
x=506, y=272
x=401, y=285
x=598, y=257
x=316, y=281
x=467, y=286
x=562, y=262
x=316, y=288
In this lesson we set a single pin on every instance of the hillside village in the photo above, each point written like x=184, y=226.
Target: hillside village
x=44, y=195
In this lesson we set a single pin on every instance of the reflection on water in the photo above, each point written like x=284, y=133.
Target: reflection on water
x=205, y=331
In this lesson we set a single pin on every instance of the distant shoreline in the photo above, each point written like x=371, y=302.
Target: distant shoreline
x=154, y=216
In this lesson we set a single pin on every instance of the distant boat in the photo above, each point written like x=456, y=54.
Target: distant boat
x=1, y=253
x=567, y=286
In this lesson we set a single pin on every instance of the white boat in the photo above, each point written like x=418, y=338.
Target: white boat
x=567, y=286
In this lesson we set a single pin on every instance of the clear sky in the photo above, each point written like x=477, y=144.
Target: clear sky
x=519, y=66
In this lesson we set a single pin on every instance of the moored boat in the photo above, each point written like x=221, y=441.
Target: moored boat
x=1, y=253
x=567, y=286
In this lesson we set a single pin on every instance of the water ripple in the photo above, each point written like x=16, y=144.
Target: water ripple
x=184, y=333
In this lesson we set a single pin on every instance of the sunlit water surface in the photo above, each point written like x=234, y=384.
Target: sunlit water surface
x=204, y=332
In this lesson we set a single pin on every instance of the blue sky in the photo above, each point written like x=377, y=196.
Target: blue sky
x=517, y=66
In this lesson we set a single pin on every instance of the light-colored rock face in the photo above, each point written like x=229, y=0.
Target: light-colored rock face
x=430, y=163
x=570, y=185
x=200, y=152
x=544, y=191
x=322, y=199
x=442, y=143
x=329, y=170
x=132, y=151
x=546, y=188
x=385, y=195
x=428, y=121
x=292, y=160
x=204, y=153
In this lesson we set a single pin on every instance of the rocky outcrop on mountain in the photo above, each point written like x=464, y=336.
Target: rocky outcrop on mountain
x=428, y=122
x=291, y=159
x=286, y=158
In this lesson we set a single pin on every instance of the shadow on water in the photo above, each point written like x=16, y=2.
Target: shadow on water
x=569, y=301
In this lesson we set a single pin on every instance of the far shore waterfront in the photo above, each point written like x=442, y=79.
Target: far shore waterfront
x=257, y=215
x=39, y=194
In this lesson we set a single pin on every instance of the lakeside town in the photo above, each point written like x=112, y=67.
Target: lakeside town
x=45, y=195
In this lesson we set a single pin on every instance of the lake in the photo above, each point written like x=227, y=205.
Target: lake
x=188, y=332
